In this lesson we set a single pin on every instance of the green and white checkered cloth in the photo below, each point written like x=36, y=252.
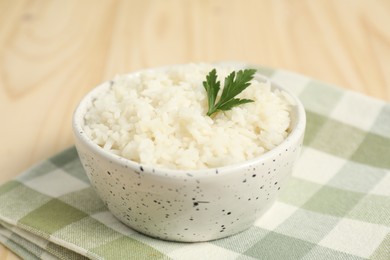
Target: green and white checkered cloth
x=336, y=205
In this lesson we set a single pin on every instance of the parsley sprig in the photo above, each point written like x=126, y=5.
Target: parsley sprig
x=234, y=85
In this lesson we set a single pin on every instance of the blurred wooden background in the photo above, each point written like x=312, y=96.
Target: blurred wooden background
x=53, y=52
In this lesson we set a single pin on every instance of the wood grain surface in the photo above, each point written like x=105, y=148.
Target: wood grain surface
x=53, y=52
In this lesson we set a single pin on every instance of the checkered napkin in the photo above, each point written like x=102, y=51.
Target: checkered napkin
x=336, y=205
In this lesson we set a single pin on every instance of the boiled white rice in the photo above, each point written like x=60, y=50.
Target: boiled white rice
x=159, y=118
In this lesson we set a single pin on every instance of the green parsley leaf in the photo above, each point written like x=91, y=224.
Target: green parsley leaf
x=234, y=85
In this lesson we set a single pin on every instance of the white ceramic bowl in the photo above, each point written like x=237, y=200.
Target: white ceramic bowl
x=187, y=205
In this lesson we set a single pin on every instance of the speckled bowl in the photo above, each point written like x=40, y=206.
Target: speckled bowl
x=188, y=206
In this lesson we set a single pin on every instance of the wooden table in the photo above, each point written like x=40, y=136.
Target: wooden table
x=53, y=52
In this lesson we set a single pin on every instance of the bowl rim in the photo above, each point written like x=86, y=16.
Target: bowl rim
x=296, y=133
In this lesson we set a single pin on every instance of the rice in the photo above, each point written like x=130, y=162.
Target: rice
x=159, y=118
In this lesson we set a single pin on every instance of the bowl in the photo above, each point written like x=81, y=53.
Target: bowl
x=188, y=205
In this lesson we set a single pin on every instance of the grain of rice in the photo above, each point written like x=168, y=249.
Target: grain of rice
x=159, y=118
